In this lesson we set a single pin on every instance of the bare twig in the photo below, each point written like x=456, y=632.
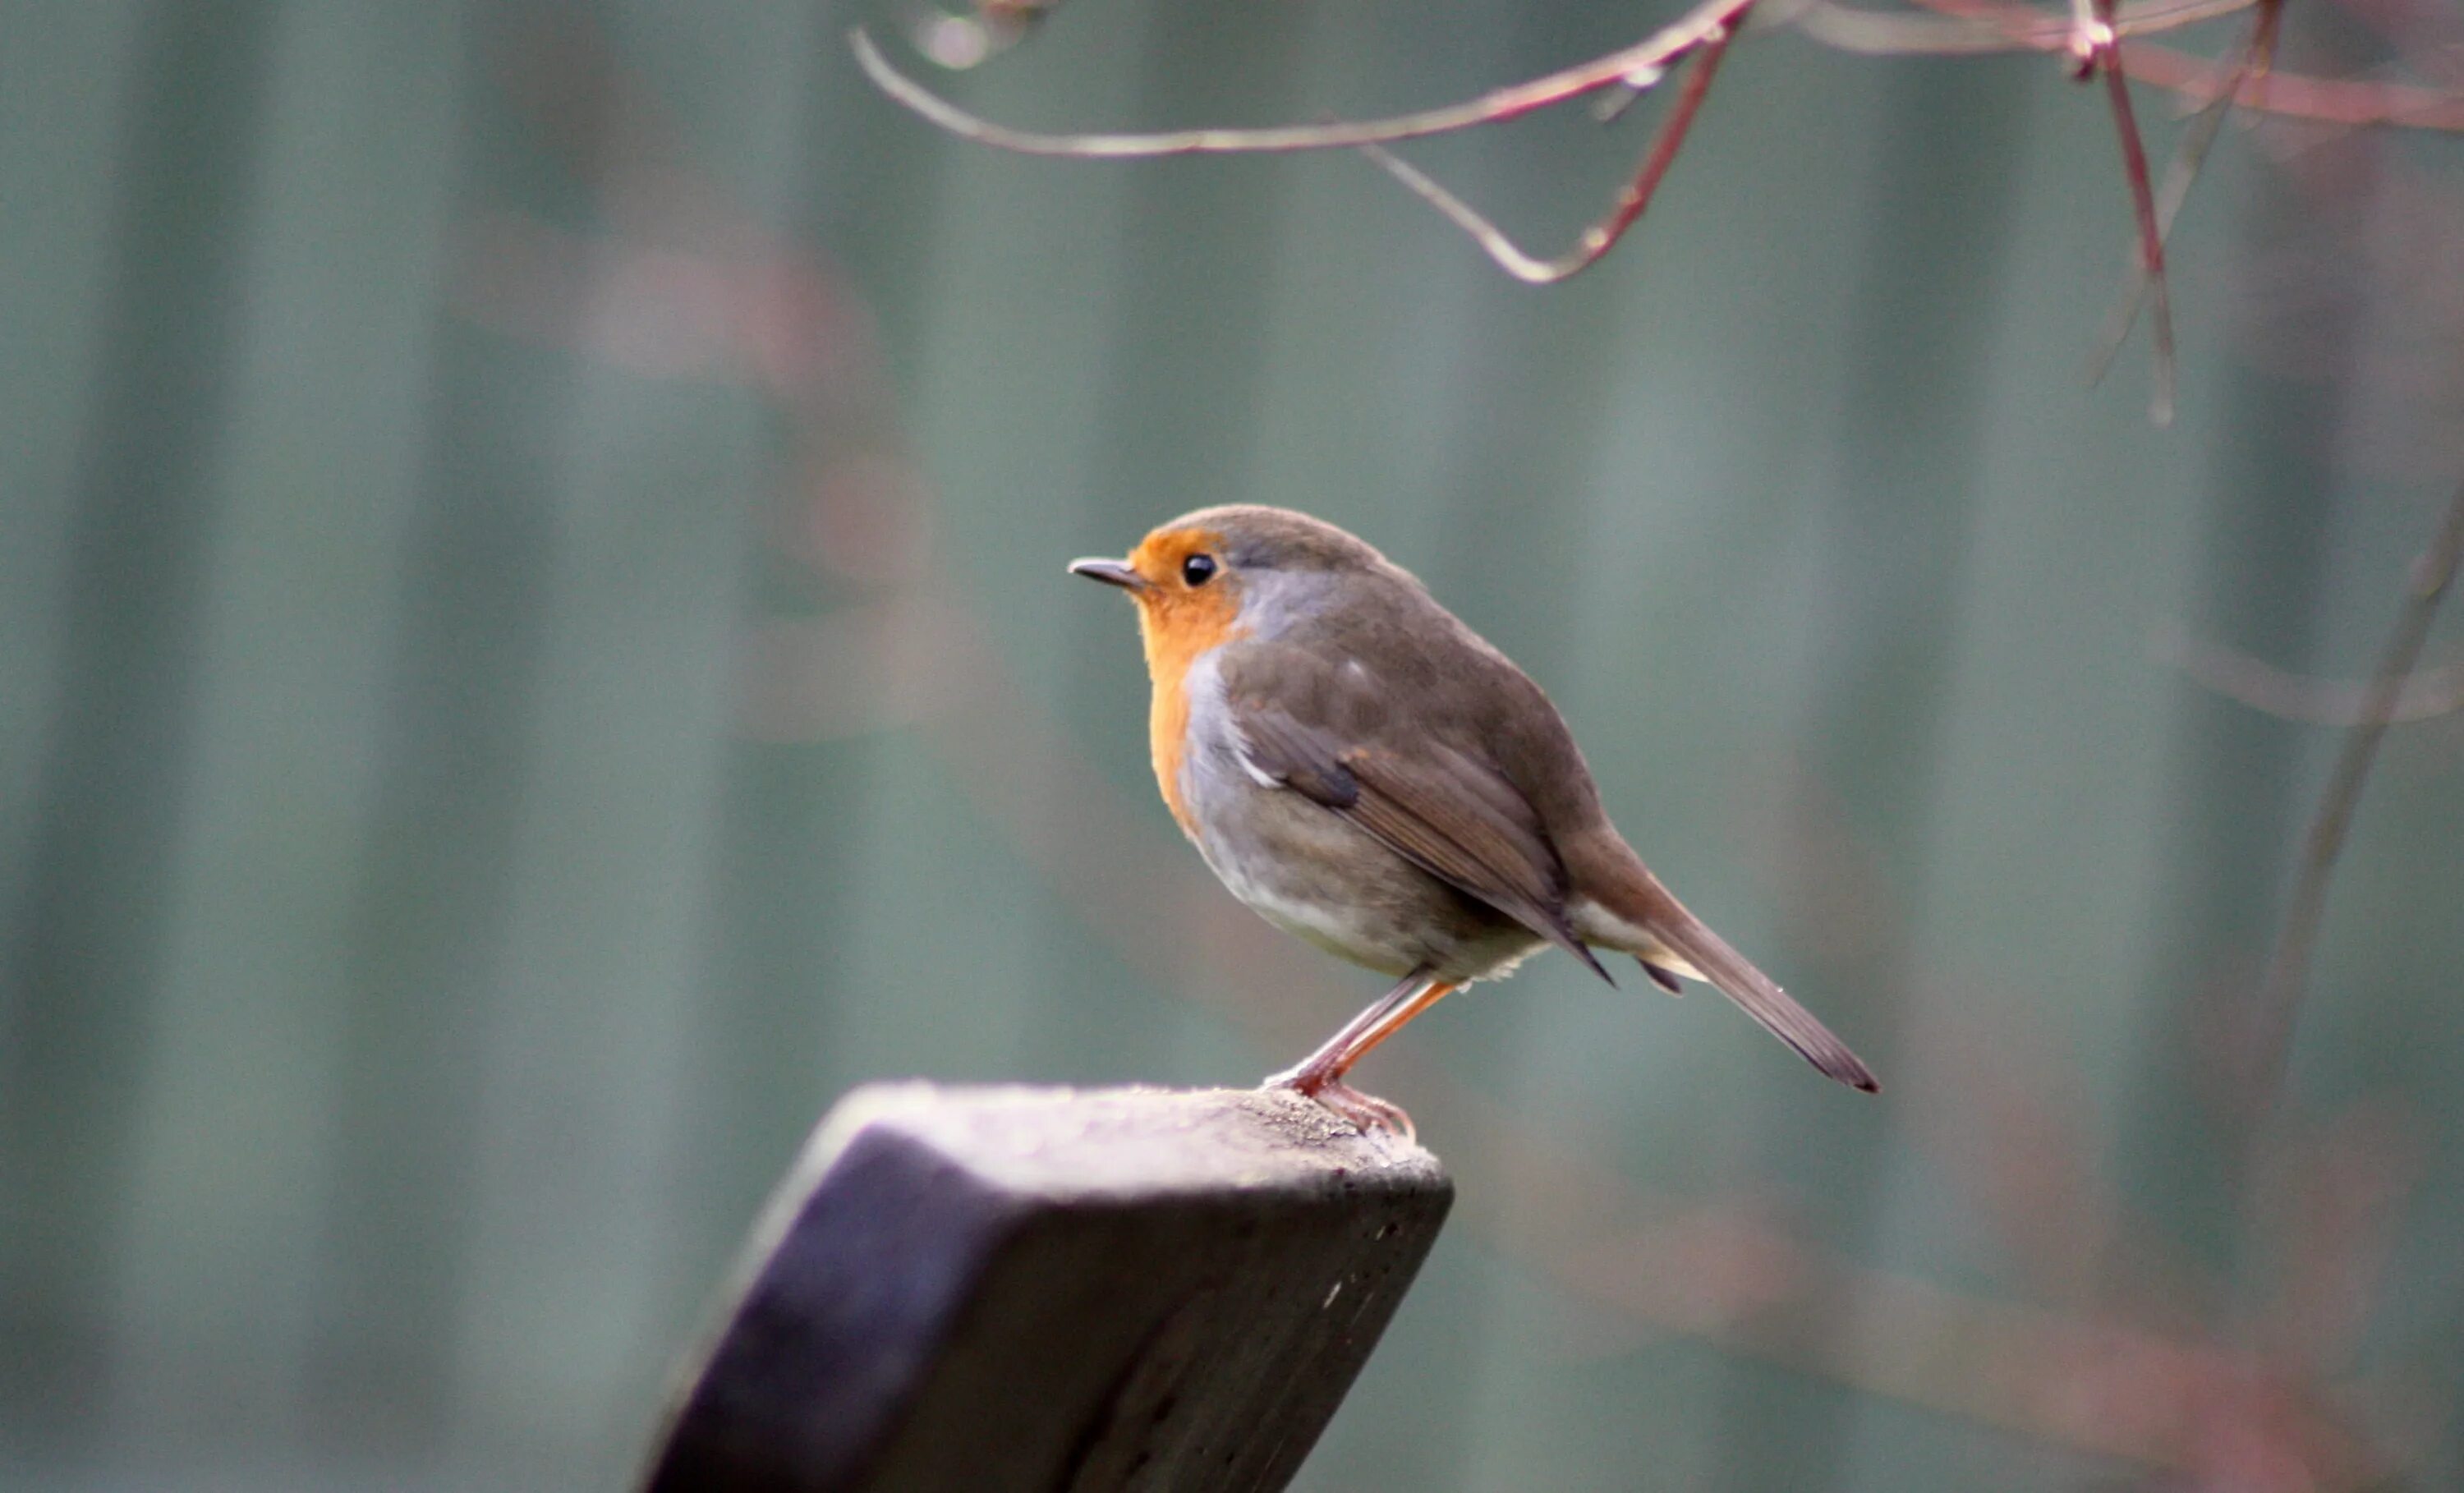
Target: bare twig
x=2092, y=33
x=2329, y=101
x=2197, y=137
x=2097, y=49
x=2427, y=695
x=1602, y=236
x=1643, y=60
x=1845, y=28
x=2288, y=969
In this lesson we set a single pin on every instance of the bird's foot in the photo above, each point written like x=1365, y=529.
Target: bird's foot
x=1368, y=1113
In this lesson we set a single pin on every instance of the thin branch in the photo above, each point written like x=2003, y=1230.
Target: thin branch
x=1845, y=28
x=2288, y=969
x=2427, y=695
x=2098, y=48
x=2329, y=100
x=1602, y=236
x=2189, y=156
x=1642, y=60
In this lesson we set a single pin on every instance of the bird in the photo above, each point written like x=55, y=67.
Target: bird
x=1367, y=773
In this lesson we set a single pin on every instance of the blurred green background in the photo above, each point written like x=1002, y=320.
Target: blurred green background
x=533, y=654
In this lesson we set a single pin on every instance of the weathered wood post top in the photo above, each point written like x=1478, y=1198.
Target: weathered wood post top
x=1053, y=1290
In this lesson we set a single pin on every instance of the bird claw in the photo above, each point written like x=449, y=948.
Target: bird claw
x=1367, y=1113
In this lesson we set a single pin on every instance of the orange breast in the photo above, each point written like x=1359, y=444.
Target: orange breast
x=1177, y=629
x=1167, y=737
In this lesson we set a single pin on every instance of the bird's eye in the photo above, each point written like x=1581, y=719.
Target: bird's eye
x=1198, y=570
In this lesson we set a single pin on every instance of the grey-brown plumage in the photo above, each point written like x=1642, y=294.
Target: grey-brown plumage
x=1365, y=771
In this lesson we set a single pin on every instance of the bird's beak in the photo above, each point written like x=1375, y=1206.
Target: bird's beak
x=1111, y=572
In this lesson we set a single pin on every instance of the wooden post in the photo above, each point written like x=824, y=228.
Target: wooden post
x=1050, y=1289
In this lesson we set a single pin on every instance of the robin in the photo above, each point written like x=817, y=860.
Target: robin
x=1367, y=773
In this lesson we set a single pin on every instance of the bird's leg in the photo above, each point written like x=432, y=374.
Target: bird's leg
x=1335, y=1056
x=1320, y=1074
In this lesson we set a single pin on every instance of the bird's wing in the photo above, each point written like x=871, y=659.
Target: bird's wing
x=1323, y=733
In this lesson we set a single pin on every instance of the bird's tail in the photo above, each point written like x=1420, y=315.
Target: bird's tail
x=1691, y=940
x=1653, y=926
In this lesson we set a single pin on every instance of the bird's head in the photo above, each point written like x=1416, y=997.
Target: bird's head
x=1208, y=575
